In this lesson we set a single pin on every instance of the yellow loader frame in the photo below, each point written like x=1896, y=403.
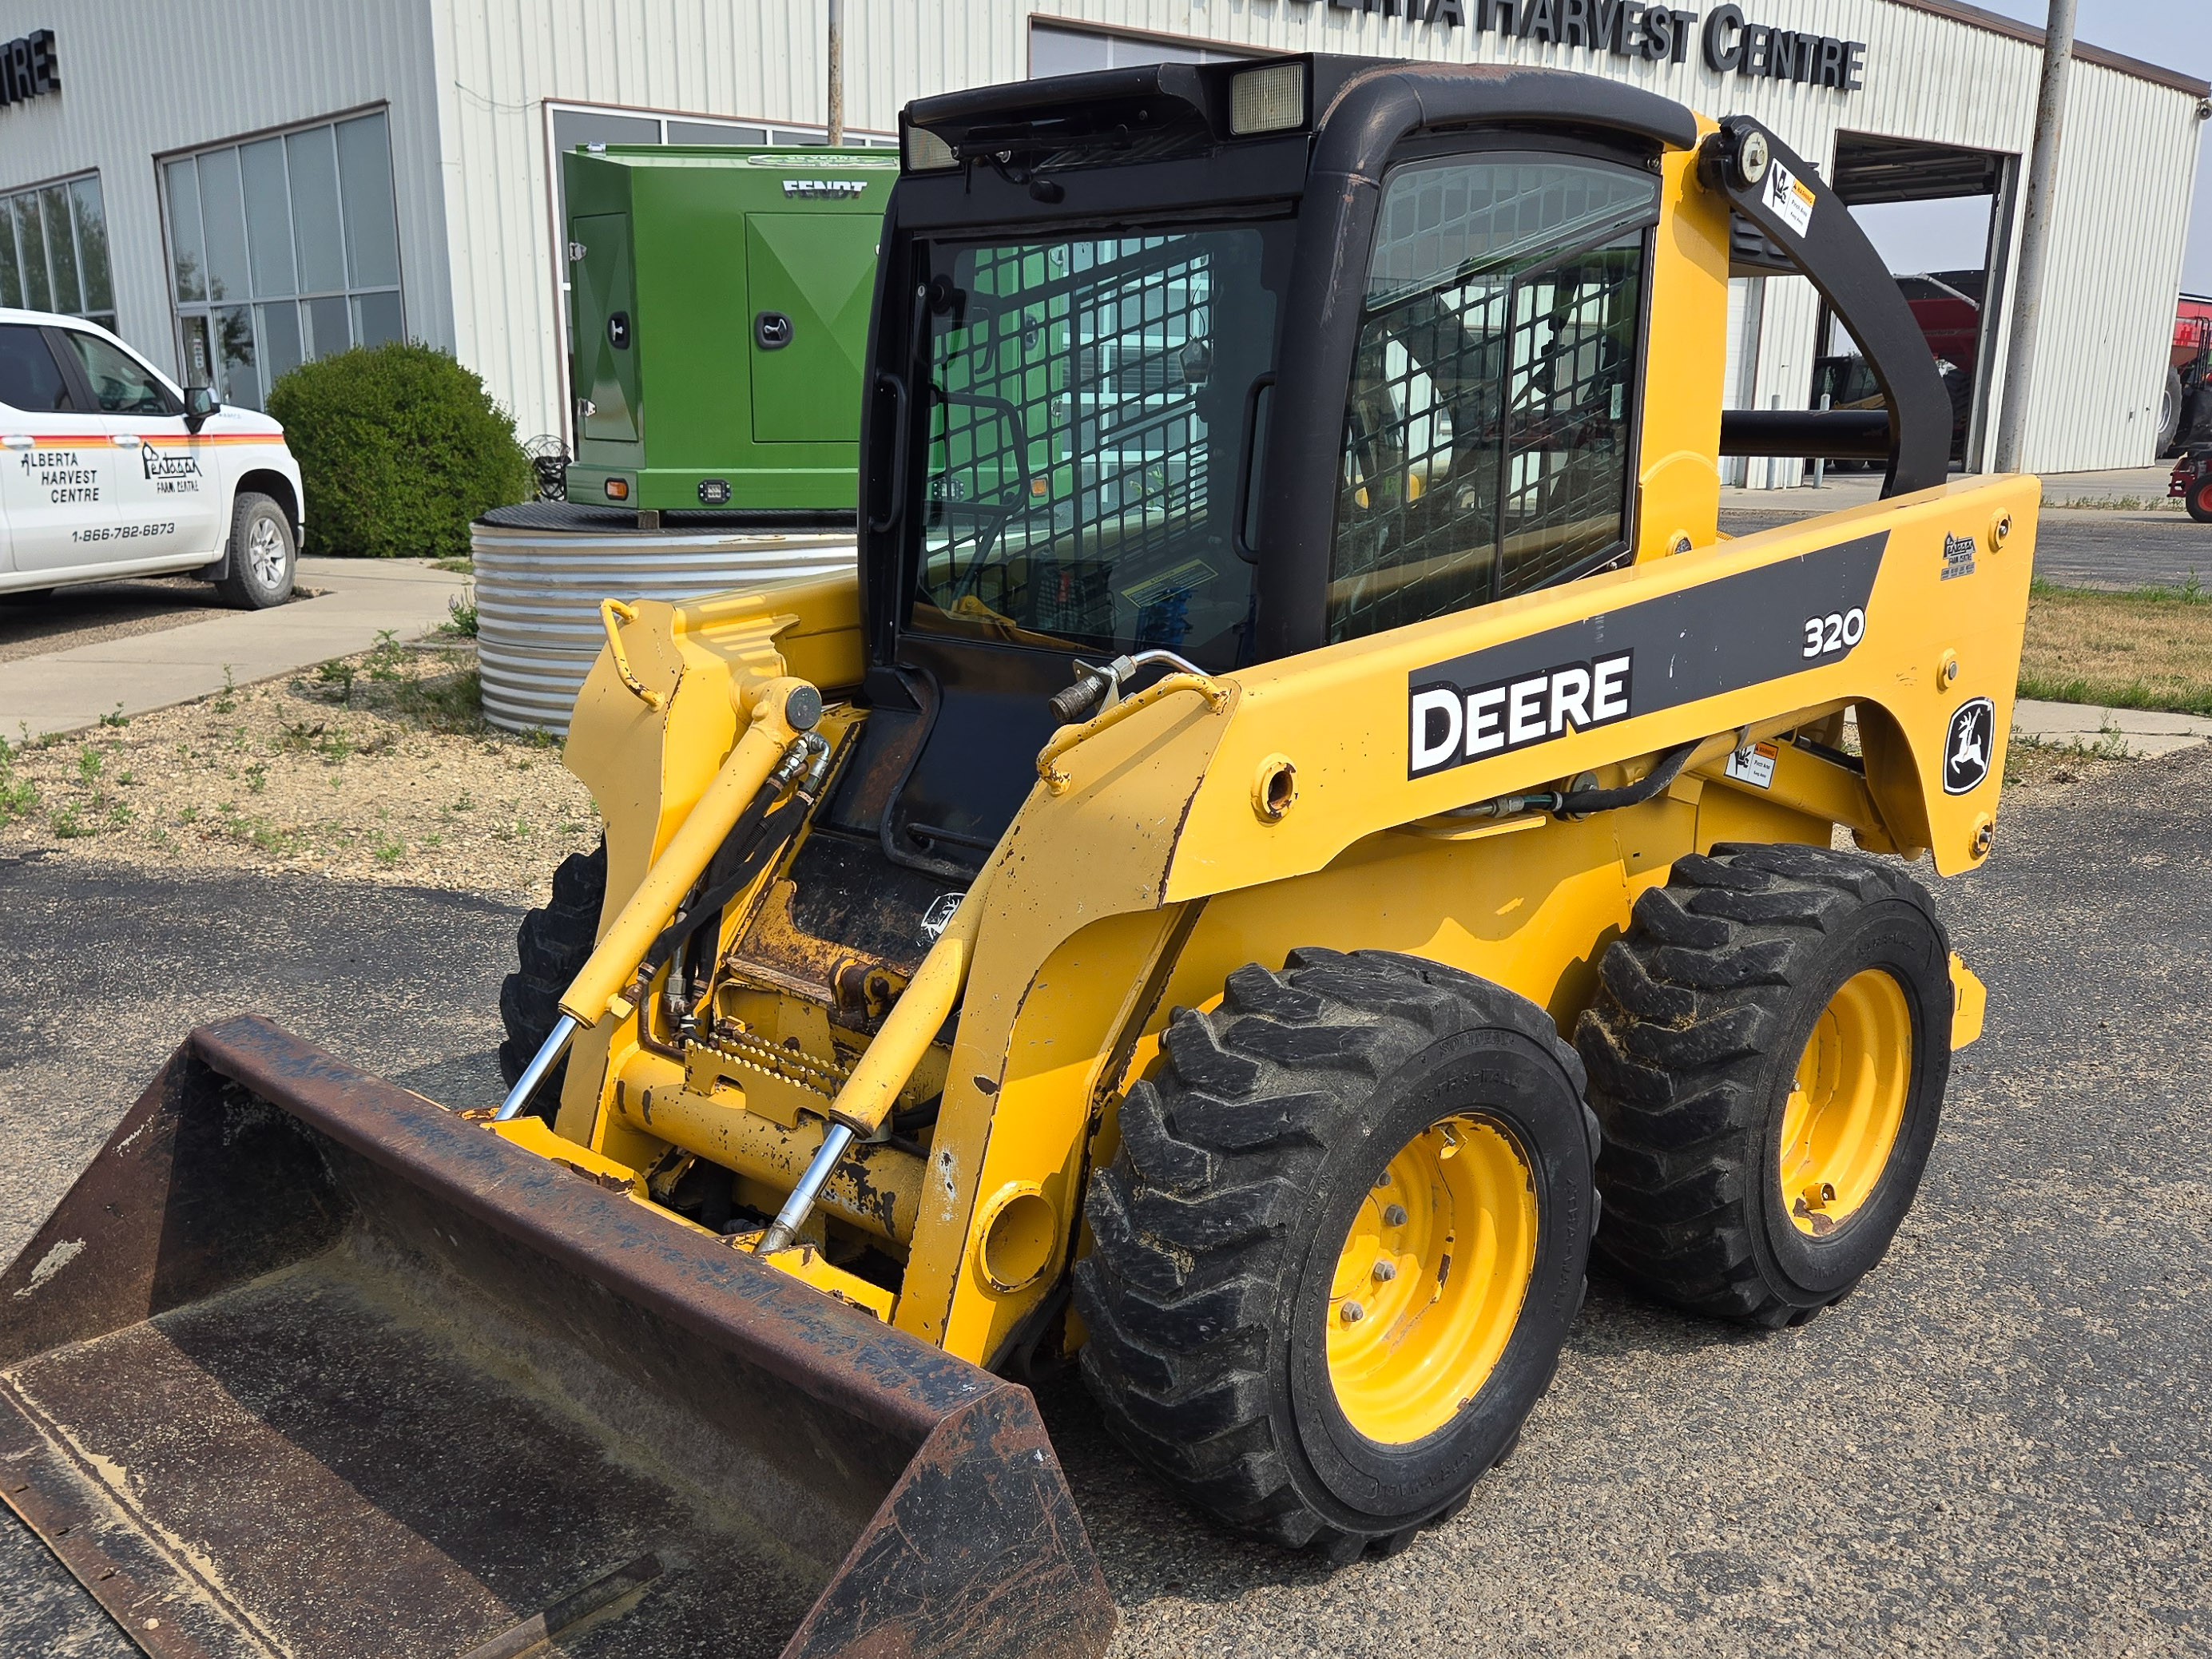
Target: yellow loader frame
x=1234, y=820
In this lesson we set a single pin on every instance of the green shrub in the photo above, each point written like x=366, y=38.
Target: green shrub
x=399, y=446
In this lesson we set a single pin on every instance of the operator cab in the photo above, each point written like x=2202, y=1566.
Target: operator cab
x=1128, y=395
x=1235, y=361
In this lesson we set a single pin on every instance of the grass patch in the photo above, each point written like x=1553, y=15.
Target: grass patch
x=2150, y=648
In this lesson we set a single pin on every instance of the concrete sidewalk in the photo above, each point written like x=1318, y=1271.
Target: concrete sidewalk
x=2140, y=732
x=359, y=599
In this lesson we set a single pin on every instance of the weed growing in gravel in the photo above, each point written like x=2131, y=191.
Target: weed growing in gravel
x=121, y=815
x=67, y=826
x=257, y=777
x=228, y=699
x=449, y=706
x=386, y=656
x=188, y=815
x=386, y=851
x=340, y=674
x=461, y=617
x=115, y=717
x=88, y=763
x=17, y=795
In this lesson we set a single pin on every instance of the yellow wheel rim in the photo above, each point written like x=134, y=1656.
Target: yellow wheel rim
x=1430, y=1280
x=1846, y=1103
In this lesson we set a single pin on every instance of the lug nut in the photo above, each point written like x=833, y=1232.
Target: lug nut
x=1384, y=1272
x=1395, y=1216
x=1382, y=1181
x=1352, y=1313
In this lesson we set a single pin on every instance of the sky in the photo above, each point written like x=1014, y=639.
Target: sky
x=2176, y=34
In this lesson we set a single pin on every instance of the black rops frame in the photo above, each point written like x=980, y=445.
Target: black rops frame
x=1834, y=254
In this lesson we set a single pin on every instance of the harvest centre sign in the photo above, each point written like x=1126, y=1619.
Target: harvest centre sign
x=1725, y=40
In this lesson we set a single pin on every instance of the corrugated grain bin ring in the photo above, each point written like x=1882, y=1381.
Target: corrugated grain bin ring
x=542, y=569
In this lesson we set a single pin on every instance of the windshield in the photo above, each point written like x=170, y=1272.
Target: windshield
x=1089, y=402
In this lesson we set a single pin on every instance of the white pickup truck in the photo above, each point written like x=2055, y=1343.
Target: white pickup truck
x=108, y=469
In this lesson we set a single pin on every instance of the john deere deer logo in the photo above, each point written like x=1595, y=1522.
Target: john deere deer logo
x=1966, y=746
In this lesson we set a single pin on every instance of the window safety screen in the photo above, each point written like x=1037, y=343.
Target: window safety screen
x=1087, y=402
x=1486, y=440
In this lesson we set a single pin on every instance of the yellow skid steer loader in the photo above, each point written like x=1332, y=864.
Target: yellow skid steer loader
x=1298, y=804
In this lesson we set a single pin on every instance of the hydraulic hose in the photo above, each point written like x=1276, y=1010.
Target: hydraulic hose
x=1581, y=803
x=1576, y=803
x=758, y=836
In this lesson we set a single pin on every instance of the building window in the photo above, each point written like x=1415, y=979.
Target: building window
x=281, y=251
x=1065, y=48
x=53, y=250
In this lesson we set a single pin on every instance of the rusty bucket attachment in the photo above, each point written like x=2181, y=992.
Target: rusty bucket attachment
x=306, y=1364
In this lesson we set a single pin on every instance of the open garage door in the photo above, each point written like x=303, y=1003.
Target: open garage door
x=1941, y=215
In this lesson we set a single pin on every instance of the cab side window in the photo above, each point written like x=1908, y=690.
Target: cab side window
x=30, y=378
x=122, y=383
x=1488, y=431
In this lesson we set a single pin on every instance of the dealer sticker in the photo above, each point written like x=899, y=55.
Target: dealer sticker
x=1754, y=764
x=1790, y=197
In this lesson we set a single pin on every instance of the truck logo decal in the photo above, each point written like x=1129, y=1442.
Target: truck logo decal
x=1966, y=746
x=172, y=473
x=1958, y=556
x=830, y=188
x=1658, y=654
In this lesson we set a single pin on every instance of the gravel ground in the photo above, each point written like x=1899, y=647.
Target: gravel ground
x=372, y=767
x=1998, y=1445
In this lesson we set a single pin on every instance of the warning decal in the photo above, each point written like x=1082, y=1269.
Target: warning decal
x=1790, y=197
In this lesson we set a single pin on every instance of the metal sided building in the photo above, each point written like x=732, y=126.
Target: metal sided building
x=237, y=184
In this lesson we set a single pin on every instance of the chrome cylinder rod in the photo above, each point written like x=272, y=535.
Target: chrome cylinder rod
x=797, y=1207
x=517, y=1097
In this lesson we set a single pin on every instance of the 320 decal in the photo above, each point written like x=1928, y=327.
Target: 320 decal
x=1839, y=630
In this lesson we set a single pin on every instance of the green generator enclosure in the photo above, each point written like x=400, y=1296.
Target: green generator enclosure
x=719, y=304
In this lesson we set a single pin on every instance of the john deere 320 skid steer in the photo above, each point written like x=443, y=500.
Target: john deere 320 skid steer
x=1299, y=804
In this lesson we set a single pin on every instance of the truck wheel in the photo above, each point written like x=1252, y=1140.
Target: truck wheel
x=2169, y=414
x=551, y=947
x=2198, y=501
x=1339, y=1250
x=1767, y=1057
x=262, y=555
